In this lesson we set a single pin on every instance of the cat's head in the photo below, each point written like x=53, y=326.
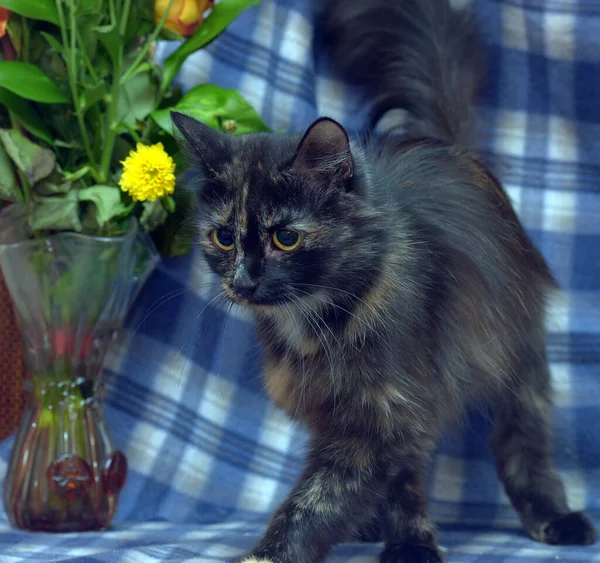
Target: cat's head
x=282, y=218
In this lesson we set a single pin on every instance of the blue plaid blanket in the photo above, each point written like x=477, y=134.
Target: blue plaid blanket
x=210, y=458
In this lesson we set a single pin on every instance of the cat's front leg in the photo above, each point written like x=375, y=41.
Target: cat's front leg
x=333, y=497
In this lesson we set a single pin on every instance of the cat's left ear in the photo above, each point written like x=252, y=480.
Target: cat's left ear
x=324, y=151
x=201, y=144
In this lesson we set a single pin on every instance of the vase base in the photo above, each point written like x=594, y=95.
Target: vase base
x=57, y=526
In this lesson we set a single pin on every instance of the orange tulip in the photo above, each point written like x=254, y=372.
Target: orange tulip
x=3, y=21
x=185, y=16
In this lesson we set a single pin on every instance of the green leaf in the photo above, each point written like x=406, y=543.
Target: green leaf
x=64, y=144
x=140, y=21
x=87, y=39
x=153, y=215
x=78, y=174
x=56, y=213
x=106, y=199
x=9, y=189
x=34, y=161
x=122, y=149
x=15, y=33
x=48, y=188
x=137, y=28
x=220, y=17
x=108, y=35
x=44, y=10
x=144, y=67
x=92, y=95
x=169, y=204
x=26, y=115
x=52, y=41
x=170, y=35
x=136, y=99
x=28, y=81
x=91, y=6
x=215, y=107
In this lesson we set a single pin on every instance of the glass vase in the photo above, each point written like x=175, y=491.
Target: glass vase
x=70, y=293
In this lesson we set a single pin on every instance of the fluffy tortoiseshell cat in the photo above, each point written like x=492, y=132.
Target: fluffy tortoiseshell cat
x=392, y=285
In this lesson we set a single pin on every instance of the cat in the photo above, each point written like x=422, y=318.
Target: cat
x=392, y=286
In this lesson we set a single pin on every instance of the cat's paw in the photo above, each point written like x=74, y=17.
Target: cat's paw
x=574, y=528
x=410, y=553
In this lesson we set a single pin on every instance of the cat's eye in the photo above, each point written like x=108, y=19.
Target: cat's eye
x=222, y=239
x=286, y=239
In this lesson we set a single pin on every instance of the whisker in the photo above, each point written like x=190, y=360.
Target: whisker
x=305, y=381
x=223, y=335
x=193, y=344
x=367, y=324
x=165, y=299
x=348, y=293
x=322, y=339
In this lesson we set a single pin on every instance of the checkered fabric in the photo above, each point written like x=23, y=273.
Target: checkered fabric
x=210, y=458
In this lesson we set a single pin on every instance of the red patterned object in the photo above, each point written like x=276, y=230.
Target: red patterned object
x=69, y=476
x=12, y=369
x=114, y=474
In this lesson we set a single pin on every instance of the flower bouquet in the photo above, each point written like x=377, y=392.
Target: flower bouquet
x=88, y=176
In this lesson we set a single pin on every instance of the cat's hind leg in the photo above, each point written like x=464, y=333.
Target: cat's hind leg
x=522, y=444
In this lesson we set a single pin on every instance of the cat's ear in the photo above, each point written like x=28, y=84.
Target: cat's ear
x=200, y=143
x=324, y=151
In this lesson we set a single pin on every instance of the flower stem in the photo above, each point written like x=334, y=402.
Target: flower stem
x=25, y=44
x=86, y=59
x=142, y=54
x=71, y=62
x=111, y=114
x=25, y=187
x=124, y=18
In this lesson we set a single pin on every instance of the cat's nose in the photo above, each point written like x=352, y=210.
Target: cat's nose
x=243, y=283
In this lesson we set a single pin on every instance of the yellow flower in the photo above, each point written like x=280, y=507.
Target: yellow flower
x=185, y=16
x=148, y=173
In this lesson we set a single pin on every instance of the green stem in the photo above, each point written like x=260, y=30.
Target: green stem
x=142, y=54
x=124, y=18
x=71, y=63
x=25, y=187
x=96, y=119
x=147, y=129
x=110, y=137
x=113, y=12
x=86, y=59
x=25, y=192
x=134, y=134
x=25, y=46
x=95, y=109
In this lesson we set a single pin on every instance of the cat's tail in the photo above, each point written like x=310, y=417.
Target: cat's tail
x=419, y=55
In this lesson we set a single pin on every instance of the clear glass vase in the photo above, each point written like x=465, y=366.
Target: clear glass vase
x=70, y=293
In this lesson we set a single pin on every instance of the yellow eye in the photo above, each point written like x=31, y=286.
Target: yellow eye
x=222, y=239
x=285, y=239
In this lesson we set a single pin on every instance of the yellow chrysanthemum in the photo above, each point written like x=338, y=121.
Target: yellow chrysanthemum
x=148, y=173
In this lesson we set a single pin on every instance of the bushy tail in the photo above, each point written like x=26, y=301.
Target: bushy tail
x=419, y=55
